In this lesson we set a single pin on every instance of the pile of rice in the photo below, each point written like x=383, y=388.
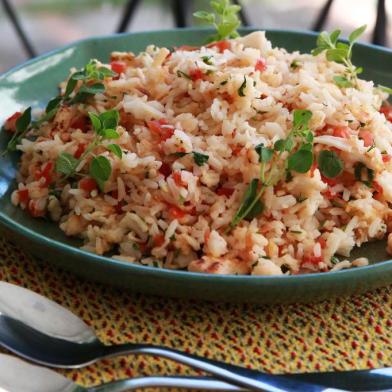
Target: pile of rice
x=163, y=210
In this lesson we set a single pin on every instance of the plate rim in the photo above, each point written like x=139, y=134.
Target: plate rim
x=12, y=225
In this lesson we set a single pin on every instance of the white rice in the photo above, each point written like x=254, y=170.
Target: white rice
x=179, y=219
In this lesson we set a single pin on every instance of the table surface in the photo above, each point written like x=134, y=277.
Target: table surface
x=345, y=333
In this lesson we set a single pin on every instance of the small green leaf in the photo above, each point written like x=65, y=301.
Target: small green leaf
x=23, y=122
x=301, y=119
x=265, y=153
x=280, y=145
x=106, y=72
x=96, y=122
x=247, y=201
x=70, y=86
x=356, y=33
x=342, y=81
x=329, y=164
x=53, y=104
x=115, y=149
x=110, y=134
x=334, y=36
x=309, y=137
x=100, y=170
x=79, y=75
x=301, y=161
x=289, y=144
x=256, y=210
x=242, y=88
x=199, y=158
x=337, y=55
x=110, y=119
x=204, y=15
x=96, y=88
x=66, y=164
x=317, y=51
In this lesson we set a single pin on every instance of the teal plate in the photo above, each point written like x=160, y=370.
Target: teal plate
x=36, y=81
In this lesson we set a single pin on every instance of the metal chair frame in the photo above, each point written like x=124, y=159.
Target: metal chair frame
x=181, y=10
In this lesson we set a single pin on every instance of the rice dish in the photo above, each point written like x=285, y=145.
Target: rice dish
x=189, y=126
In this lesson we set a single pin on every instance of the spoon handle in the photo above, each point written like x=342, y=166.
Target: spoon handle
x=199, y=383
x=256, y=381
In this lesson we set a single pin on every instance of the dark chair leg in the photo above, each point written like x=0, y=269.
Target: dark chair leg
x=243, y=16
x=380, y=28
x=180, y=12
x=323, y=16
x=11, y=13
x=129, y=10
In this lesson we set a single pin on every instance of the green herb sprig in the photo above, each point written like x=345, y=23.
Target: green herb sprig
x=298, y=144
x=100, y=169
x=22, y=126
x=341, y=53
x=224, y=19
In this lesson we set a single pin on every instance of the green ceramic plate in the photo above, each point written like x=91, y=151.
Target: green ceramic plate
x=34, y=83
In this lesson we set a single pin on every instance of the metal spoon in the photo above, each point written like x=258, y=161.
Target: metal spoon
x=19, y=376
x=44, y=332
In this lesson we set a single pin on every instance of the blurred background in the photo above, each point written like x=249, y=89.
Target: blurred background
x=49, y=24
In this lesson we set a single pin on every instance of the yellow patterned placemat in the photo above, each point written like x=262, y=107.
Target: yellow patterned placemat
x=347, y=333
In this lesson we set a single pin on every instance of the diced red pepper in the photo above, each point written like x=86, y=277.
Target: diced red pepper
x=196, y=74
x=45, y=173
x=312, y=259
x=176, y=213
x=223, y=191
x=161, y=128
x=178, y=180
x=23, y=195
x=187, y=48
x=261, y=65
x=329, y=194
x=207, y=235
x=81, y=122
x=342, y=132
x=159, y=239
x=126, y=119
x=220, y=45
x=227, y=97
x=386, y=158
x=236, y=150
x=10, y=123
x=347, y=178
x=165, y=169
x=386, y=110
x=118, y=66
x=34, y=211
x=80, y=150
x=377, y=187
x=367, y=137
x=322, y=242
x=329, y=181
x=88, y=184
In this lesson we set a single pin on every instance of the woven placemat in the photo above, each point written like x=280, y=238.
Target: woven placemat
x=346, y=333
